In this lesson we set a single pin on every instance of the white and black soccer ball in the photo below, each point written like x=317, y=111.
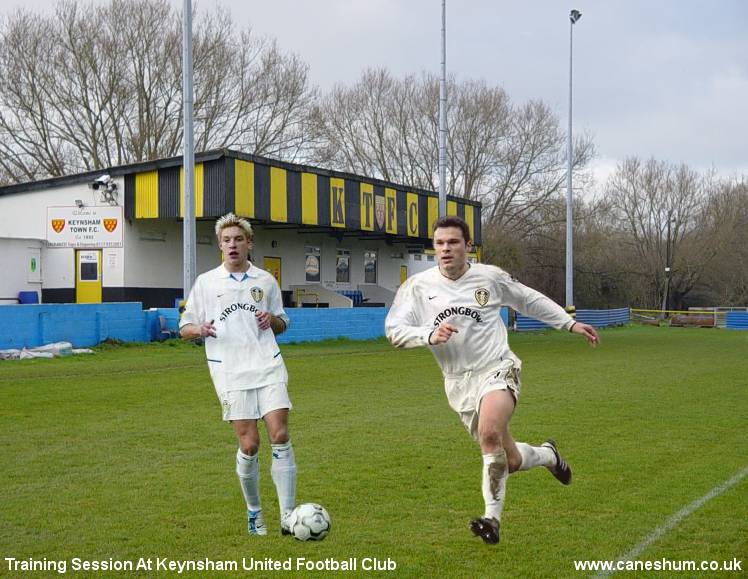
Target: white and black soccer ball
x=309, y=522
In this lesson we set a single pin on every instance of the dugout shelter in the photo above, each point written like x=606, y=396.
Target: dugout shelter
x=115, y=235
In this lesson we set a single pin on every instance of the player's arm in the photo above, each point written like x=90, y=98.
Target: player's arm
x=193, y=325
x=402, y=326
x=267, y=320
x=276, y=318
x=194, y=331
x=532, y=303
x=277, y=324
x=586, y=331
x=442, y=334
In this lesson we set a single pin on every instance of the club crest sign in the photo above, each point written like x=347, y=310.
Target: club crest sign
x=481, y=296
x=256, y=293
x=87, y=227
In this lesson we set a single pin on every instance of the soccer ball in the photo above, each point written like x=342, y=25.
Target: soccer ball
x=309, y=522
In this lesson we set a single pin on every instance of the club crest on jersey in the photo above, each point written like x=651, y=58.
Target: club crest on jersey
x=481, y=296
x=256, y=293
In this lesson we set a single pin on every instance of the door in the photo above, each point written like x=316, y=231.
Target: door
x=403, y=273
x=273, y=266
x=88, y=276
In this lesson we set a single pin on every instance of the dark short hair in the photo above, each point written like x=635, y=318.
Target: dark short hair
x=453, y=221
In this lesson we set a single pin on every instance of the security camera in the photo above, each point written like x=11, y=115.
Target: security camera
x=100, y=182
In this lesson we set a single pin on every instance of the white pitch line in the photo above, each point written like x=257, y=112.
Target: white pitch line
x=673, y=521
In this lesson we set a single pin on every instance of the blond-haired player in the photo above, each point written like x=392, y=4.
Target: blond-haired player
x=237, y=309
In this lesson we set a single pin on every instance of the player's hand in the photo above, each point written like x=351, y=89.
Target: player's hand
x=207, y=330
x=442, y=334
x=589, y=333
x=263, y=319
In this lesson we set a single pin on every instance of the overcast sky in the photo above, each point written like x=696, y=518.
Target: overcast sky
x=667, y=78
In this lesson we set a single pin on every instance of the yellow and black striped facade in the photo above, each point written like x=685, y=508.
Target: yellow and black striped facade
x=274, y=192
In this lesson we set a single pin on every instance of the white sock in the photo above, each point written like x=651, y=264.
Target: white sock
x=284, y=475
x=533, y=456
x=248, y=469
x=495, y=471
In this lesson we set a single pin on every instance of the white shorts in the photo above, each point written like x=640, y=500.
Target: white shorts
x=465, y=391
x=255, y=403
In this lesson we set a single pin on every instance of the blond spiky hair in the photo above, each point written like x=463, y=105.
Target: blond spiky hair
x=231, y=220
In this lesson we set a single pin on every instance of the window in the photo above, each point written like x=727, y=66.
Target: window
x=88, y=265
x=89, y=271
x=370, y=266
x=417, y=257
x=343, y=266
x=312, y=263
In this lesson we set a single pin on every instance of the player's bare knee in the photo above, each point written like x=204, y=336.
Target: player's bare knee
x=278, y=435
x=280, y=438
x=249, y=448
x=249, y=442
x=490, y=440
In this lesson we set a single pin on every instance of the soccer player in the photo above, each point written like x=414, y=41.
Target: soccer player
x=454, y=309
x=237, y=309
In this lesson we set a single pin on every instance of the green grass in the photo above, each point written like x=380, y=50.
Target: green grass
x=124, y=455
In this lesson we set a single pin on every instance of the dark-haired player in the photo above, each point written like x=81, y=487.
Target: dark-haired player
x=454, y=309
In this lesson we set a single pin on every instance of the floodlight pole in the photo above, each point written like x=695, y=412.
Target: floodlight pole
x=189, y=153
x=574, y=16
x=443, y=118
x=668, y=269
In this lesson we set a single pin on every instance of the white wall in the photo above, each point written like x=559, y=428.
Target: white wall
x=59, y=267
x=24, y=215
x=113, y=267
x=15, y=255
x=152, y=253
x=154, y=249
x=289, y=246
x=426, y=261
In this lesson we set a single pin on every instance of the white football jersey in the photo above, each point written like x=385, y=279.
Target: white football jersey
x=472, y=304
x=241, y=356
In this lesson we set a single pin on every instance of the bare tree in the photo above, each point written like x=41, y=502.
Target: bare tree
x=531, y=169
x=660, y=208
x=725, y=281
x=388, y=127
x=510, y=158
x=96, y=86
x=380, y=126
x=651, y=214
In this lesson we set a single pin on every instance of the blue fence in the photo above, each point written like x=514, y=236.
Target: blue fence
x=314, y=324
x=86, y=325
x=80, y=324
x=737, y=320
x=602, y=318
x=597, y=318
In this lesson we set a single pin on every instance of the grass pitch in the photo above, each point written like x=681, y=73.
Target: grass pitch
x=123, y=455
